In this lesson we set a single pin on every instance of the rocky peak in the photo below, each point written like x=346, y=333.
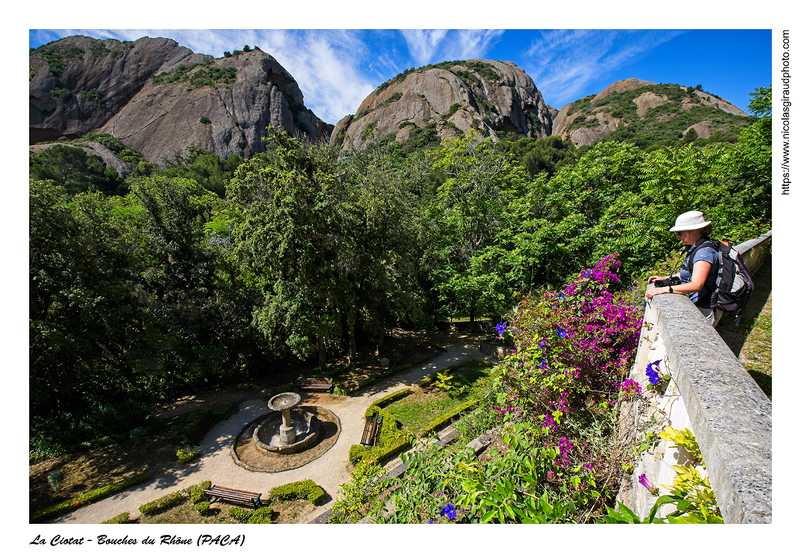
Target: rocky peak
x=456, y=96
x=160, y=98
x=644, y=103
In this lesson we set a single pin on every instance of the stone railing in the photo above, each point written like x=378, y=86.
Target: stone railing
x=711, y=394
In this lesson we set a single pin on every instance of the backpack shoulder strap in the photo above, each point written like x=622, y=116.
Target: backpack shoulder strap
x=702, y=242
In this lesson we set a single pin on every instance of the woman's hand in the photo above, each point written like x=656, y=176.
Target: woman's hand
x=652, y=279
x=655, y=291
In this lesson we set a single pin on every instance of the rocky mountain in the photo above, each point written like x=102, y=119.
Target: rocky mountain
x=633, y=107
x=451, y=97
x=160, y=98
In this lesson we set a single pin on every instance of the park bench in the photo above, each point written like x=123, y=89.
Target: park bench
x=316, y=384
x=370, y=430
x=231, y=495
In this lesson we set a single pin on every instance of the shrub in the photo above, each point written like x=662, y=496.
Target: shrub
x=305, y=489
x=187, y=454
x=391, y=440
x=447, y=417
x=122, y=518
x=162, y=503
x=55, y=479
x=202, y=508
x=196, y=494
x=394, y=396
x=366, y=482
x=61, y=94
x=262, y=515
x=239, y=514
x=205, y=120
x=93, y=96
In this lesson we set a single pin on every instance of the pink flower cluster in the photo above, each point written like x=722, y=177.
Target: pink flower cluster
x=571, y=344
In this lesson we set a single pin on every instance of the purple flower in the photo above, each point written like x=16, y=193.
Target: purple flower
x=501, y=327
x=542, y=343
x=449, y=511
x=652, y=372
x=561, y=333
x=646, y=483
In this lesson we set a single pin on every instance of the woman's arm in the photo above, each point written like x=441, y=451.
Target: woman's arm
x=700, y=272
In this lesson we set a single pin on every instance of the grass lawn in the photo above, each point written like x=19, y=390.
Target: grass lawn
x=751, y=341
x=416, y=411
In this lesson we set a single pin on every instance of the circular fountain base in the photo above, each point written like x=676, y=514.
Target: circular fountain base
x=249, y=455
x=272, y=435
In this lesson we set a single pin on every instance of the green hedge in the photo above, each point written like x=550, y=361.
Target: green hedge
x=88, y=497
x=122, y=518
x=163, y=503
x=304, y=489
x=391, y=439
x=262, y=515
x=196, y=494
x=386, y=400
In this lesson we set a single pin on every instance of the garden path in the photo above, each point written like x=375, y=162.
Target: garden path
x=328, y=471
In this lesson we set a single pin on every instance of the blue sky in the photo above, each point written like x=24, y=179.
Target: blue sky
x=337, y=68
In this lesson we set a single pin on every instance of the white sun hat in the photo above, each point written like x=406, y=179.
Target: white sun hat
x=691, y=220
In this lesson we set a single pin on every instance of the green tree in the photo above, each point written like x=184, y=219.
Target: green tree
x=83, y=310
x=181, y=347
x=381, y=271
x=292, y=222
x=74, y=170
x=467, y=215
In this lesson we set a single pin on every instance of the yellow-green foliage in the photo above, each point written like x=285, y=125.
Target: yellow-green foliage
x=305, y=489
x=262, y=515
x=122, y=518
x=391, y=439
x=366, y=482
x=686, y=440
x=162, y=503
x=449, y=416
x=196, y=494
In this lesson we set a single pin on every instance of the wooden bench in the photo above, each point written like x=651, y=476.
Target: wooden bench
x=316, y=384
x=370, y=430
x=231, y=495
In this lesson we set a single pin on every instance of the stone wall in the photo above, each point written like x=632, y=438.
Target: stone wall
x=711, y=394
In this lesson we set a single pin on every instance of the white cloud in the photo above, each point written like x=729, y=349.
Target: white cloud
x=426, y=46
x=325, y=64
x=423, y=44
x=562, y=63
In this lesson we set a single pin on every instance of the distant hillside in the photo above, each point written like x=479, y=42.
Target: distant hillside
x=647, y=113
x=449, y=98
x=160, y=98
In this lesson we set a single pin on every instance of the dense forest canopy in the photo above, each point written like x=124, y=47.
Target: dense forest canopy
x=213, y=270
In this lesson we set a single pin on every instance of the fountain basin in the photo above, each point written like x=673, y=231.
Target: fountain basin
x=270, y=434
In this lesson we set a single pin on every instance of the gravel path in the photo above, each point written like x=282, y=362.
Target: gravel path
x=217, y=465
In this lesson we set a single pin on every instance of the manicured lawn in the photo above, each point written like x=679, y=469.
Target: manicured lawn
x=416, y=411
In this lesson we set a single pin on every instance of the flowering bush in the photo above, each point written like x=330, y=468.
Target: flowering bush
x=572, y=349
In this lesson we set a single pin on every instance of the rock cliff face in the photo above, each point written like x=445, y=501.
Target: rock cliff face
x=456, y=96
x=160, y=98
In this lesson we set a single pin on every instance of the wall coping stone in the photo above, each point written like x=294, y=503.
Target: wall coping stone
x=731, y=415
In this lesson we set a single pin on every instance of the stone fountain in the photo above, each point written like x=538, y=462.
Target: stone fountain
x=295, y=430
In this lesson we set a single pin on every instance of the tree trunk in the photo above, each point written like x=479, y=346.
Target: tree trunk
x=473, y=306
x=351, y=335
x=321, y=351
